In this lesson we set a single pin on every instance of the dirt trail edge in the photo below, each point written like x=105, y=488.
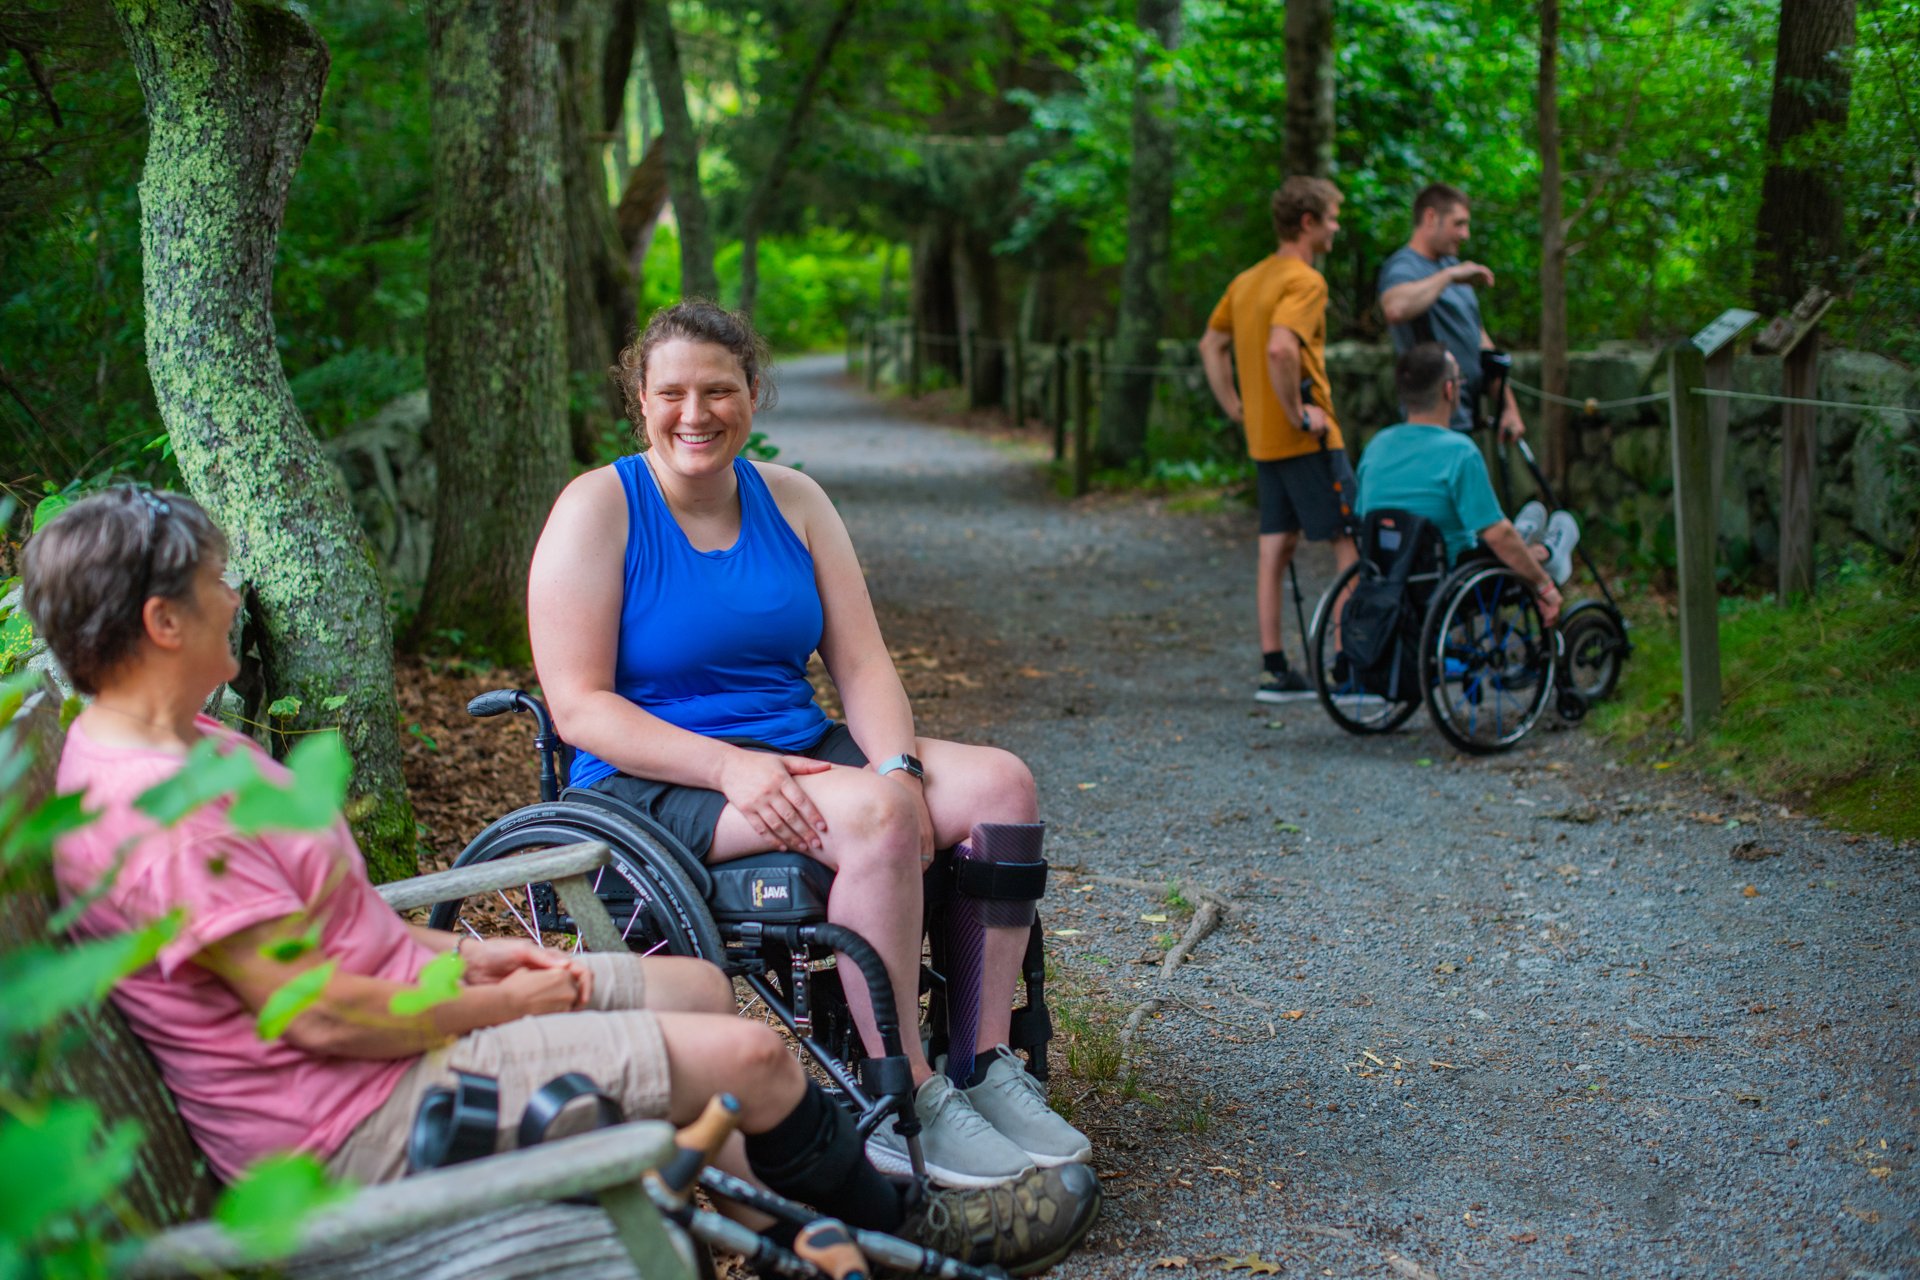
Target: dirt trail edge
x=1539, y=1015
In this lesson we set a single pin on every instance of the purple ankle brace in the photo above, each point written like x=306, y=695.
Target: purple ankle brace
x=969, y=919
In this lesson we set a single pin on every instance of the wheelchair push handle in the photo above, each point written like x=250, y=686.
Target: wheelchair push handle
x=494, y=702
x=546, y=740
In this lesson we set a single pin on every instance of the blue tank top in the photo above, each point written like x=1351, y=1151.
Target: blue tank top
x=716, y=641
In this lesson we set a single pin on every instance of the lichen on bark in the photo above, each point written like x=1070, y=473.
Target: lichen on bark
x=232, y=92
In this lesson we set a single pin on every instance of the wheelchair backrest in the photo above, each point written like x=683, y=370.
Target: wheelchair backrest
x=1403, y=547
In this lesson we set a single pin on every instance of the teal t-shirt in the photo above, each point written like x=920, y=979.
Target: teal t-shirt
x=1433, y=472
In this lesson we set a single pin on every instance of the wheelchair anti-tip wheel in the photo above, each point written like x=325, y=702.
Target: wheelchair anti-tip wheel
x=1486, y=659
x=652, y=902
x=1352, y=706
x=1595, y=648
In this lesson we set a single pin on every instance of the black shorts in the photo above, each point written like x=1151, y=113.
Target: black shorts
x=1297, y=494
x=689, y=813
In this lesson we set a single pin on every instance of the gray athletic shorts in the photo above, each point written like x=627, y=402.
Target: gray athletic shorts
x=689, y=813
x=1297, y=494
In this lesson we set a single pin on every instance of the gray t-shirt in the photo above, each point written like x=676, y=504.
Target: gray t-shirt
x=1453, y=321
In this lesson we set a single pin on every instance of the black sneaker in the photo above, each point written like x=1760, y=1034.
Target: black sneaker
x=1282, y=686
x=1025, y=1225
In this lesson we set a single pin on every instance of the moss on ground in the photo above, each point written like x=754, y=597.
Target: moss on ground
x=1822, y=701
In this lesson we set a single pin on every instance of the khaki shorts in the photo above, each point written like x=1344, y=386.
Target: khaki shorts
x=616, y=1043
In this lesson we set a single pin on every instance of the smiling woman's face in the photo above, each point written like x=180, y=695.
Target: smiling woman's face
x=698, y=407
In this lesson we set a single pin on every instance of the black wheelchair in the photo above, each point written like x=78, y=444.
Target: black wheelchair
x=762, y=919
x=1400, y=627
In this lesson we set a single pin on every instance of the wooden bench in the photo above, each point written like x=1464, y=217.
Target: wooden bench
x=491, y=1219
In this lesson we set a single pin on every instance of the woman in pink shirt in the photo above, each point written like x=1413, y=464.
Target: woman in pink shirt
x=130, y=590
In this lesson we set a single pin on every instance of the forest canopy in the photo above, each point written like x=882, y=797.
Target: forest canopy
x=984, y=134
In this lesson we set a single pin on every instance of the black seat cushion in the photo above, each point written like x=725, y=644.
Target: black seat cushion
x=776, y=888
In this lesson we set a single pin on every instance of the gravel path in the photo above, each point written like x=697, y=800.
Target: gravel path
x=1528, y=1016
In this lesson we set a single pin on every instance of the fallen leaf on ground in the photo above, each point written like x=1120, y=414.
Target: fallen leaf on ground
x=1285, y=826
x=1086, y=786
x=1154, y=917
x=1446, y=966
x=1033, y=673
x=1751, y=851
x=1525, y=1237
x=1750, y=892
x=1065, y=933
x=1174, y=1263
x=1252, y=1262
x=1294, y=1015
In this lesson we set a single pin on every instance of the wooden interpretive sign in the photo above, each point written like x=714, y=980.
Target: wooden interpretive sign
x=1715, y=342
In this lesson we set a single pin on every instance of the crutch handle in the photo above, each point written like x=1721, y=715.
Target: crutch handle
x=696, y=1146
x=828, y=1245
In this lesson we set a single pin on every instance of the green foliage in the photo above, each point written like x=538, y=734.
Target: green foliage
x=811, y=285
x=1821, y=699
x=439, y=982
x=57, y=1160
x=269, y=1205
x=293, y=998
x=310, y=800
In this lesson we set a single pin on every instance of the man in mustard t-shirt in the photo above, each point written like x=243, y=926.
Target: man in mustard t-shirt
x=1271, y=329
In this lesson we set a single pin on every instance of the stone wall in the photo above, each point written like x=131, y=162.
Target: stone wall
x=1621, y=475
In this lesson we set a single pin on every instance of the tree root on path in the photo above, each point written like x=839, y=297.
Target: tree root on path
x=1205, y=920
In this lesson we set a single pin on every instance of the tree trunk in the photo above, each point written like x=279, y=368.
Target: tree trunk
x=1126, y=397
x=232, y=92
x=976, y=278
x=1553, y=251
x=641, y=203
x=934, y=307
x=773, y=173
x=601, y=307
x=1802, y=225
x=683, y=153
x=496, y=321
x=1309, y=123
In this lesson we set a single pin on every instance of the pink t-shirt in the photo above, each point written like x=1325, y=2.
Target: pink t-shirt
x=242, y=1097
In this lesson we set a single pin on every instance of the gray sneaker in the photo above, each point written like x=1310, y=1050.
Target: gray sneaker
x=1530, y=521
x=1016, y=1104
x=961, y=1148
x=1024, y=1226
x=1563, y=535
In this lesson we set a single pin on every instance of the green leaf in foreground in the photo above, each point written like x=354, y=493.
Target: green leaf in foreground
x=57, y=1162
x=312, y=797
x=44, y=982
x=287, y=950
x=439, y=983
x=284, y=707
x=270, y=1203
x=293, y=999
x=36, y=833
x=207, y=775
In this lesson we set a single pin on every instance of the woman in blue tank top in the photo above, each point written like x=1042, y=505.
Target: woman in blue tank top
x=675, y=599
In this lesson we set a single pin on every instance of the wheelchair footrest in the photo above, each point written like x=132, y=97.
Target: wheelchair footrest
x=1030, y=1027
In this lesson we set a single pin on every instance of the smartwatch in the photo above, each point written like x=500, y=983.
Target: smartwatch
x=903, y=761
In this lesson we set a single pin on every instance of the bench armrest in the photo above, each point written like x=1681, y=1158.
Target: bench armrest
x=604, y=1159
x=567, y=868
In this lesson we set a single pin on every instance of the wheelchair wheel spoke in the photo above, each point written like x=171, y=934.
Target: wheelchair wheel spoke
x=514, y=911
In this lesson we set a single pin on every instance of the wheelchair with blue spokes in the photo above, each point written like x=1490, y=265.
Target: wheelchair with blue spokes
x=1400, y=627
x=762, y=919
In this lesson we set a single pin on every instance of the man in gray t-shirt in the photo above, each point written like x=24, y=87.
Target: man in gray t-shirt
x=1427, y=294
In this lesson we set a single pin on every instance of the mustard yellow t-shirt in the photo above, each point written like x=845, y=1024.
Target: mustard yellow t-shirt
x=1283, y=292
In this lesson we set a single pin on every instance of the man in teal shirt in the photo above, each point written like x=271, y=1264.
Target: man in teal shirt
x=1424, y=467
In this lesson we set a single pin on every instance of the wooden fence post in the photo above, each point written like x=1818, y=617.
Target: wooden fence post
x=1082, y=416
x=913, y=359
x=1796, y=339
x=1016, y=379
x=1057, y=400
x=1695, y=538
x=871, y=370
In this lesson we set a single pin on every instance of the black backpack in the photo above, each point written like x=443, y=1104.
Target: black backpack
x=1380, y=623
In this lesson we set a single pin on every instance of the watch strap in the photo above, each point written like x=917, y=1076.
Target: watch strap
x=902, y=761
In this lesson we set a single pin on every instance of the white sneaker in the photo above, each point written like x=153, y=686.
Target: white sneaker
x=962, y=1149
x=1530, y=520
x=1563, y=535
x=1016, y=1104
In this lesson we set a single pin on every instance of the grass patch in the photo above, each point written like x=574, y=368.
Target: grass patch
x=1821, y=700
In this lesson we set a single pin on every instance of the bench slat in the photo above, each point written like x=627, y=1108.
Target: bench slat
x=571, y=1166
x=502, y=873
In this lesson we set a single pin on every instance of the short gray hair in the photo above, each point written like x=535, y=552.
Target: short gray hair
x=87, y=575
